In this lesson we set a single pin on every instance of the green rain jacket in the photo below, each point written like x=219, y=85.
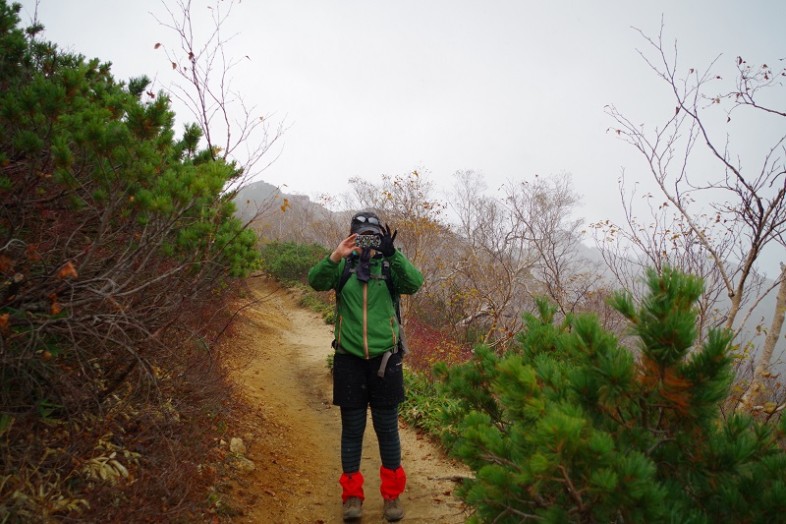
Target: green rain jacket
x=366, y=323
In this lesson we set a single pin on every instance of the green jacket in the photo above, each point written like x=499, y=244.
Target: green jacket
x=366, y=324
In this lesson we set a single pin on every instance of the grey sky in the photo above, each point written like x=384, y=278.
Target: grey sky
x=506, y=88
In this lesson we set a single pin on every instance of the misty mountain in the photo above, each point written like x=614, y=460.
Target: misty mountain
x=253, y=198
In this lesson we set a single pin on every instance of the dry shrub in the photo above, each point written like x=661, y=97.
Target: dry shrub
x=429, y=345
x=153, y=454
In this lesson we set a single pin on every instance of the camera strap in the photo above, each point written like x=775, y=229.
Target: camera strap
x=363, y=271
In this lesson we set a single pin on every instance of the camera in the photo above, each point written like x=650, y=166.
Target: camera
x=367, y=241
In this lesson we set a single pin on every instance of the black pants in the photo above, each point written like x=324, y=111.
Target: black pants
x=356, y=385
x=353, y=426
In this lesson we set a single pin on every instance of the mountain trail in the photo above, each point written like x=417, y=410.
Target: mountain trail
x=292, y=433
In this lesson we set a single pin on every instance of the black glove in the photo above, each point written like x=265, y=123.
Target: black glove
x=386, y=243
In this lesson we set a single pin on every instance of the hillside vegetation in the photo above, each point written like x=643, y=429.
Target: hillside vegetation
x=116, y=250
x=120, y=250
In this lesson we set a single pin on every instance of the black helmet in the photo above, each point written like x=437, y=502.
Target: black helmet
x=366, y=222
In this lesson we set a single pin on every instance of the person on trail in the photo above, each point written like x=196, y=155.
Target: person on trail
x=368, y=274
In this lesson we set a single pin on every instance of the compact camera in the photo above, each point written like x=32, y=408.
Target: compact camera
x=366, y=241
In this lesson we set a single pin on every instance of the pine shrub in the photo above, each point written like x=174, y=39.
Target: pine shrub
x=290, y=261
x=572, y=426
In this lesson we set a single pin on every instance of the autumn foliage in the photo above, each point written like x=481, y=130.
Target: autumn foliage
x=431, y=344
x=117, y=245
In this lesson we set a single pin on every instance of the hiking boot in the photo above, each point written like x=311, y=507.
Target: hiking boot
x=393, y=510
x=353, y=509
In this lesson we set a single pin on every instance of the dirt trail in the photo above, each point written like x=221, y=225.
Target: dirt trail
x=293, y=435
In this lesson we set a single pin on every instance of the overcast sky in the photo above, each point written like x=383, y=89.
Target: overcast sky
x=506, y=88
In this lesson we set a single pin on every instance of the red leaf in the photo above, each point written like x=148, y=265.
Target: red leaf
x=67, y=271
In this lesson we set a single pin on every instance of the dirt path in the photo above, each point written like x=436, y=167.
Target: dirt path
x=293, y=437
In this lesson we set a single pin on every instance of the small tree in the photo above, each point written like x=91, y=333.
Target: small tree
x=512, y=249
x=715, y=221
x=203, y=63
x=490, y=269
x=573, y=427
x=543, y=208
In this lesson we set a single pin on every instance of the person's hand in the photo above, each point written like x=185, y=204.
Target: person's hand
x=386, y=246
x=344, y=249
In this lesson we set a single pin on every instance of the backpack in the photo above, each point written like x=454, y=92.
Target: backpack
x=350, y=267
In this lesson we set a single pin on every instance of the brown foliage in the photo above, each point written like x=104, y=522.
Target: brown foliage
x=429, y=345
x=668, y=383
x=166, y=437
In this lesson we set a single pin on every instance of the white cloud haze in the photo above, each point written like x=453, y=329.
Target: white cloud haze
x=506, y=88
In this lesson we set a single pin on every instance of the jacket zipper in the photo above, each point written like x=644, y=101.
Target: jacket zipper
x=365, y=319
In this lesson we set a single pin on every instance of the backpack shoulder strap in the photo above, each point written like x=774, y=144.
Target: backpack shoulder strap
x=349, y=266
x=396, y=297
x=391, y=288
